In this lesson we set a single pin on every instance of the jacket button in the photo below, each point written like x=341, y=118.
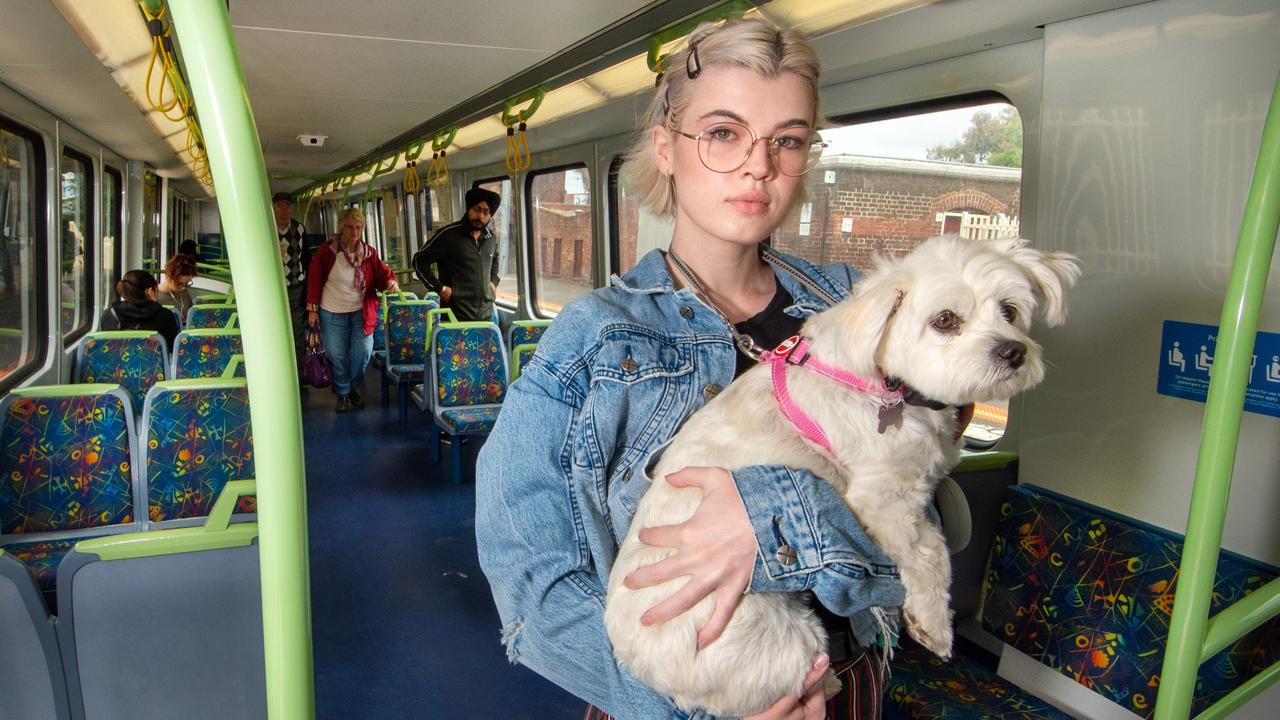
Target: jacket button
x=787, y=555
x=686, y=312
x=709, y=391
x=628, y=364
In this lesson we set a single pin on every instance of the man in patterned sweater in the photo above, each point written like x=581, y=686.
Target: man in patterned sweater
x=296, y=257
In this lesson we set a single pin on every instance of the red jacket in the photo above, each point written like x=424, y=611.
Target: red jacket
x=379, y=274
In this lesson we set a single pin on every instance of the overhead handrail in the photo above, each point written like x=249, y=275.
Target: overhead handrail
x=379, y=169
x=1192, y=635
x=517, y=156
x=235, y=160
x=656, y=59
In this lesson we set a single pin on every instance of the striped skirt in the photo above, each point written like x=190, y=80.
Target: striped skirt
x=862, y=688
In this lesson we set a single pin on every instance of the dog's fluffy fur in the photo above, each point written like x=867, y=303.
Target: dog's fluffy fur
x=895, y=325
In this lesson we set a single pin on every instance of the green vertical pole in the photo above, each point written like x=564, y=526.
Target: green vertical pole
x=235, y=159
x=1224, y=409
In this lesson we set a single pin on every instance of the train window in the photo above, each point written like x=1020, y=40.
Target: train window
x=504, y=234
x=886, y=185
x=75, y=201
x=411, y=223
x=112, y=232
x=635, y=231
x=560, y=237
x=22, y=326
x=151, y=220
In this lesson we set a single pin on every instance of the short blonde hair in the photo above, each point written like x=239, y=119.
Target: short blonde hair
x=351, y=212
x=751, y=44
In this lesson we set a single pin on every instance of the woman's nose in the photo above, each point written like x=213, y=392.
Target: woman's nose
x=759, y=164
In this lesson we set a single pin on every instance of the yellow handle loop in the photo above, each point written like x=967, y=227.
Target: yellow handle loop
x=412, y=183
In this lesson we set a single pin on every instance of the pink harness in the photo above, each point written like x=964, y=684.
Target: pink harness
x=795, y=351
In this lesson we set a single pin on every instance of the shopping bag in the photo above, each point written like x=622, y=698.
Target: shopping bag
x=316, y=369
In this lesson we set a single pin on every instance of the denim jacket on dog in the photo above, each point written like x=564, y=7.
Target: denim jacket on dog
x=559, y=479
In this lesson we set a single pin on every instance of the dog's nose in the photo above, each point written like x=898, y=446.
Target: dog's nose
x=1011, y=352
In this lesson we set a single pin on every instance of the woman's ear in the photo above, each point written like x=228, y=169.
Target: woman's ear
x=151, y=293
x=660, y=137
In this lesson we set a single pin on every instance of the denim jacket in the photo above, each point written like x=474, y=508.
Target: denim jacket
x=559, y=479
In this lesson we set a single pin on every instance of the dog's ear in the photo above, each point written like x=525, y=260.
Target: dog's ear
x=1051, y=274
x=855, y=330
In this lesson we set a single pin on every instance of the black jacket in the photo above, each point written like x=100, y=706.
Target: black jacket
x=149, y=315
x=467, y=265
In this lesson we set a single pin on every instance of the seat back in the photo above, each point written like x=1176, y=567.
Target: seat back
x=209, y=315
x=196, y=438
x=205, y=352
x=526, y=332
x=1089, y=593
x=32, y=683
x=468, y=365
x=71, y=447
x=380, y=332
x=520, y=357
x=155, y=626
x=133, y=359
x=406, y=332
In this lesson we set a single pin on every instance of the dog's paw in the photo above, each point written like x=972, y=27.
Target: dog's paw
x=936, y=637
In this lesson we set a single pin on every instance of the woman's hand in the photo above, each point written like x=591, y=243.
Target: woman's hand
x=393, y=286
x=812, y=705
x=716, y=548
x=313, y=318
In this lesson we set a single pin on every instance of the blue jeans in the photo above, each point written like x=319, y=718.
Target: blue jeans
x=348, y=348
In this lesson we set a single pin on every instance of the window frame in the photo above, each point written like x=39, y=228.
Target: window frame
x=116, y=222
x=530, y=240
x=39, y=253
x=90, y=232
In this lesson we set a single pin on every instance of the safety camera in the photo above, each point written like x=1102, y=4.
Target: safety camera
x=312, y=140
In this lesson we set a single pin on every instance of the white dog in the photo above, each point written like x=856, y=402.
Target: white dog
x=949, y=321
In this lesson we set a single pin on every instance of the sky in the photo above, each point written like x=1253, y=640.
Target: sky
x=907, y=137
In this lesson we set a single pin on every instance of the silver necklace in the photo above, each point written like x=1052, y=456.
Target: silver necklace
x=745, y=343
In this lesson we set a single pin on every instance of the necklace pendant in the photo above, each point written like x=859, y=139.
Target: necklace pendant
x=889, y=415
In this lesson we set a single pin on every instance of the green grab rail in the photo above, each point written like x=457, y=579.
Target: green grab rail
x=729, y=9
x=216, y=533
x=1219, y=439
x=235, y=161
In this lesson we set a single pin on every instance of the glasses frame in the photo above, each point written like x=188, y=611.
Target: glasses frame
x=769, y=148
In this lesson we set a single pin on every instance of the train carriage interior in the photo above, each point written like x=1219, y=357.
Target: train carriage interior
x=186, y=531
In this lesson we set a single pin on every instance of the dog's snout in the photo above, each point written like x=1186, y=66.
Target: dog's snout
x=1012, y=352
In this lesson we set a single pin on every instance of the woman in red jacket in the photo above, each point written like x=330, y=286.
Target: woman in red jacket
x=342, y=285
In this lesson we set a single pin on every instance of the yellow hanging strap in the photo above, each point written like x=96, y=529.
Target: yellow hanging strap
x=163, y=55
x=412, y=183
x=439, y=173
x=517, y=156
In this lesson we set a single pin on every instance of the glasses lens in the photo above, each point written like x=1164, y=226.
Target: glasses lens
x=796, y=153
x=723, y=147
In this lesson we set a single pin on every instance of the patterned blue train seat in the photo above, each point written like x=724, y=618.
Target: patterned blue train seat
x=407, y=330
x=1089, y=594
x=196, y=439
x=66, y=459
x=209, y=316
x=133, y=359
x=469, y=368
x=205, y=353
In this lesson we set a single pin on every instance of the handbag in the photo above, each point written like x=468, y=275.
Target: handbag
x=317, y=371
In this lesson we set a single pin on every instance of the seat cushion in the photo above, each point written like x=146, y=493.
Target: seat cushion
x=41, y=558
x=405, y=373
x=922, y=686
x=457, y=421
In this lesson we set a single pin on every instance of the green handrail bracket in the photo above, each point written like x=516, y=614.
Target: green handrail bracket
x=655, y=59
x=510, y=117
x=1219, y=439
x=239, y=174
x=443, y=139
x=412, y=152
x=379, y=169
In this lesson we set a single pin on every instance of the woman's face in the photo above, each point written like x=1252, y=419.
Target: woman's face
x=745, y=205
x=352, y=229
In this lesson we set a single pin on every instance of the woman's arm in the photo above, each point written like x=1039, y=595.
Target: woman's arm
x=533, y=549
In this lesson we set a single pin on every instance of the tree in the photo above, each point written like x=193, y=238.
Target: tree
x=989, y=140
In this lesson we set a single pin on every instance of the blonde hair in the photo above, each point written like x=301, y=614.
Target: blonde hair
x=351, y=212
x=751, y=44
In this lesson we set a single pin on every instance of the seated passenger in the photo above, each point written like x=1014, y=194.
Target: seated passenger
x=178, y=274
x=137, y=308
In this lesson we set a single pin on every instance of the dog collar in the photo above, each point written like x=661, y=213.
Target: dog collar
x=795, y=351
x=911, y=396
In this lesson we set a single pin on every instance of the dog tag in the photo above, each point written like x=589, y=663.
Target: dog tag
x=889, y=415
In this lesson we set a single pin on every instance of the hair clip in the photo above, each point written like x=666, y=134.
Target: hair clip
x=666, y=94
x=692, y=66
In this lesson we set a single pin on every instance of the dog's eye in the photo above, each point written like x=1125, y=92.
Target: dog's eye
x=946, y=321
x=1009, y=311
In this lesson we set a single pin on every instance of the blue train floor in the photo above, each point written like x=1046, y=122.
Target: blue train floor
x=403, y=623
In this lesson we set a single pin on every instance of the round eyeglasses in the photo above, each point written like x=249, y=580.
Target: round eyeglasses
x=726, y=146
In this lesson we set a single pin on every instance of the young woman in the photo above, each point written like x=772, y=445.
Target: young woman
x=727, y=140
x=343, y=283
x=137, y=308
x=178, y=274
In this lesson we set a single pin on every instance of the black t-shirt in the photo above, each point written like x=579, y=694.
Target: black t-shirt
x=768, y=328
